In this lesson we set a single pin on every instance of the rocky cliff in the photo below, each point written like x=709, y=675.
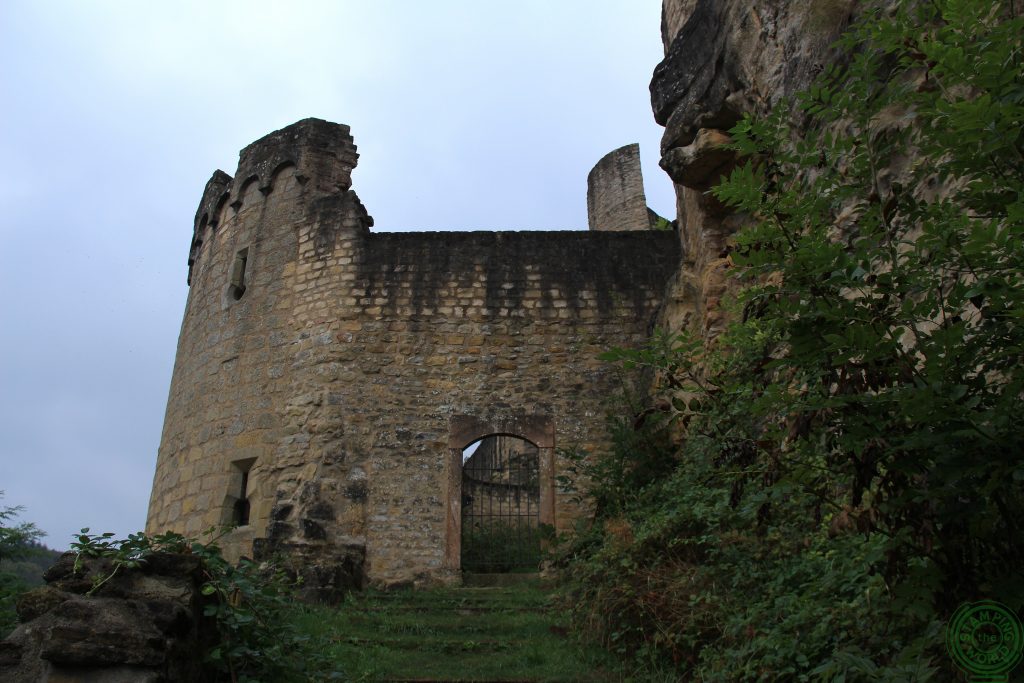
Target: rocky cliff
x=724, y=59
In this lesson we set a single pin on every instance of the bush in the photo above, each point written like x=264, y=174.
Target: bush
x=850, y=466
x=17, y=542
x=496, y=546
x=252, y=606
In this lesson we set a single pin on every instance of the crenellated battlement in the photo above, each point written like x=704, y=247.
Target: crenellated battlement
x=318, y=154
x=323, y=154
x=215, y=196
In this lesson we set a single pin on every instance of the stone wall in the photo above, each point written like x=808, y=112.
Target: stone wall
x=325, y=365
x=615, y=192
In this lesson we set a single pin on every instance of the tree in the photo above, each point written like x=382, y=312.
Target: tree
x=16, y=539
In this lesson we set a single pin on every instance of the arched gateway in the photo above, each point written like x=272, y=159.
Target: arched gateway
x=496, y=494
x=328, y=378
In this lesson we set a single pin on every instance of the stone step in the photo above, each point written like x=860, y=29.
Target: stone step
x=490, y=632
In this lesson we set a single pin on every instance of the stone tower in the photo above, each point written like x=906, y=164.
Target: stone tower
x=327, y=378
x=615, y=192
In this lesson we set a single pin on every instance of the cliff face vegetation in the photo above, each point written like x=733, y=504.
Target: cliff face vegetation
x=831, y=462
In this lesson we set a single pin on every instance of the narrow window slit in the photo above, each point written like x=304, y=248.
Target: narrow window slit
x=240, y=515
x=237, y=287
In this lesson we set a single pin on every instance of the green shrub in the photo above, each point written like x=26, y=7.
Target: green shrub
x=252, y=606
x=496, y=546
x=848, y=465
x=17, y=542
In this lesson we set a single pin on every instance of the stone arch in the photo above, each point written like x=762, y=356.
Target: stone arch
x=218, y=211
x=467, y=429
x=197, y=242
x=244, y=192
x=268, y=187
x=199, y=235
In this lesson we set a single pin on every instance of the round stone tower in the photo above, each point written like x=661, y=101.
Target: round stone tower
x=234, y=431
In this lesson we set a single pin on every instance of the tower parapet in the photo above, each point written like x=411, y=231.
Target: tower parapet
x=323, y=154
x=215, y=194
x=318, y=155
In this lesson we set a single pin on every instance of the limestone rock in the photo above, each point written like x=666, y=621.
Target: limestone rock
x=143, y=625
x=104, y=631
x=730, y=57
x=724, y=59
x=701, y=163
x=38, y=602
x=673, y=16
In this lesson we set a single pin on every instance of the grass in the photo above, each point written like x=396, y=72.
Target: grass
x=501, y=547
x=456, y=634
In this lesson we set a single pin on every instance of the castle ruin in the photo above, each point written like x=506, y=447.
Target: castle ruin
x=328, y=378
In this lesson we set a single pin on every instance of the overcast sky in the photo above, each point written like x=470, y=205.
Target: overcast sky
x=476, y=114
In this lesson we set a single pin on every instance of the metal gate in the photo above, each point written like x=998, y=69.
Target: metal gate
x=501, y=507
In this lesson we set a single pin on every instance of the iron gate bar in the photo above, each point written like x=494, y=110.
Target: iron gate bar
x=504, y=473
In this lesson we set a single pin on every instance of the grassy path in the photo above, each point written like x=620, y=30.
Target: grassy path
x=507, y=635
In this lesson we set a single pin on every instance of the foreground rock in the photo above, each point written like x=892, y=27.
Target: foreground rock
x=142, y=626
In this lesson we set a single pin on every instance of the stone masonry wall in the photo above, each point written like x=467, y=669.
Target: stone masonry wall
x=334, y=377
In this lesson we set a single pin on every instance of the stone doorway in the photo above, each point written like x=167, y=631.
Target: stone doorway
x=501, y=506
x=513, y=477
